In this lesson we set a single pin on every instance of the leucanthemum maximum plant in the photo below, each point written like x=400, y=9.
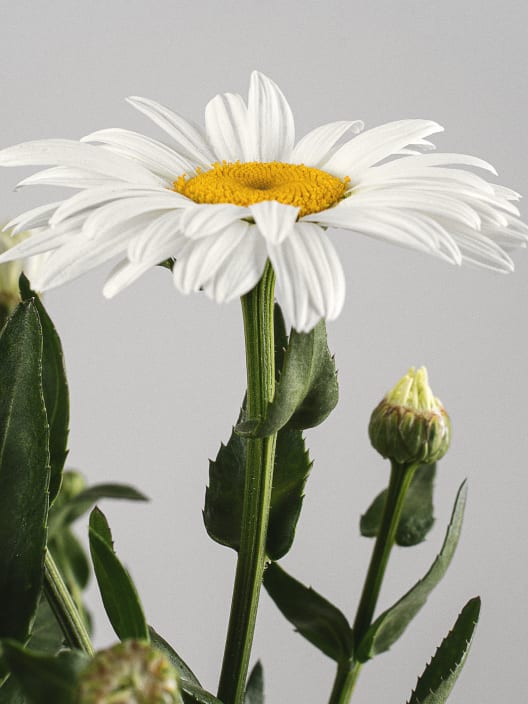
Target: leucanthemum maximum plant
x=223, y=200
x=232, y=210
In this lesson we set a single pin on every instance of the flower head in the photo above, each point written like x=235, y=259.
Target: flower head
x=223, y=200
x=410, y=425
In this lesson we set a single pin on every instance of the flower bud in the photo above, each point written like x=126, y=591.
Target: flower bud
x=130, y=672
x=410, y=425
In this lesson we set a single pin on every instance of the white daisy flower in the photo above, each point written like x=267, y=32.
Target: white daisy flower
x=223, y=200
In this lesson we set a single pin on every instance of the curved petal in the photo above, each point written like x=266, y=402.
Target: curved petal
x=161, y=239
x=68, y=152
x=274, y=220
x=67, y=177
x=310, y=276
x=226, y=125
x=36, y=217
x=271, y=130
x=199, y=260
x=241, y=271
x=376, y=144
x=316, y=147
x=205, y=219
x=189, y=138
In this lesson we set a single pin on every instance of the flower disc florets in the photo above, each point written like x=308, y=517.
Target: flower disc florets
x=304, y=187
x=410, y=425
x=132, y=672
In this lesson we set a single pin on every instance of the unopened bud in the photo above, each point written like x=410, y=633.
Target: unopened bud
x=130, y=672
x=410, y=425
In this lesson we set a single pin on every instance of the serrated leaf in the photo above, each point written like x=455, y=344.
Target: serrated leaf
x=388, y=627
x=24, y=471
x=119, y=595
x=183, y=669
x=315, y=618
x=306, y=391
x=44, y=678
x=55, y=388
x=439, y=677
x=224, y=495
x=76, y=506
x=255, y=686
x=417, y=514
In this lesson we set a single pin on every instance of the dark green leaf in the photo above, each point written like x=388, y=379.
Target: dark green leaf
x=24, y=471
x=306, y=391
x=55, y=387
x=43, y=678
x=224, y=495
x=417, y=514
x=161, y=644
x=388, y=627
x=193, y=694
x=76, y=506
x=315, y=618
x=292, y=467
x=46, y=634
x=74, y=567
x=255, y=686
x=439, y=677
x=11, y=692
x=118, y=592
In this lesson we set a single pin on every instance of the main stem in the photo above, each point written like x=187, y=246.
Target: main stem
x=400, y=479
x=64, y=608
x=257, y=309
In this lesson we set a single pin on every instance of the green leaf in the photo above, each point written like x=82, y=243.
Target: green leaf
x=224, y=495
x=439, y=677
x=315, y=618
x=255, y=686
x=417, y=514
x=11, y=692
x=55, y=387
x=24, y=471
x=118, y=592
x=306, y=391
x=183, y=669
x=46, y=634
x=194, y=694
x=292, y=467
x=388, y=627
x=43, y=678
x=69, y=511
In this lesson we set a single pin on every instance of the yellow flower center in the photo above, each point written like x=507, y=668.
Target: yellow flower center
x=309, y=189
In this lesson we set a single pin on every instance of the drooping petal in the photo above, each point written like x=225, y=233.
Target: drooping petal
x=310, y=276
x=271, y=130
x=67, y=152
x=274, y=220
x=36, y=217
x=203, y=219
x=378, y=143
x=226, y=124
x=189, y=138
x=240, y=271
x=316, y=147
x=199, y=260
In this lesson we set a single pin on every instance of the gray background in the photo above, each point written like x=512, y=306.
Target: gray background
x=156, y=378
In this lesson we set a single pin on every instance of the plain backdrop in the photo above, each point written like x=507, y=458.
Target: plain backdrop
x=156, y=378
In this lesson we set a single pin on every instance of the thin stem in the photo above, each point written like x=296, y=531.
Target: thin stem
x=64, y=609
x=344, y=683
x=400, y=479
x=257, y=308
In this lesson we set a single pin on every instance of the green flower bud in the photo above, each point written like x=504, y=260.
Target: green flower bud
x=410, y=425
x=132, y=672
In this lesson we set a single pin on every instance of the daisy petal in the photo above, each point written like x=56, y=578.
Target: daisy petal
x=274, y=220
x=187, y=136
x=123, y=275
x=199, y=260
x=36, y=217
x=309, y=275
x=67, y=152
x=316, y=147
x=226, y=124
x=205, y=219
x=376, y=144
x=240, y=272
x=160, y=240
x=66, y=177
x=270, y=121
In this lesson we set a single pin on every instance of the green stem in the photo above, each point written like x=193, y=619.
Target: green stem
x=257, y=308
x=64, y=609
x=400, y=479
